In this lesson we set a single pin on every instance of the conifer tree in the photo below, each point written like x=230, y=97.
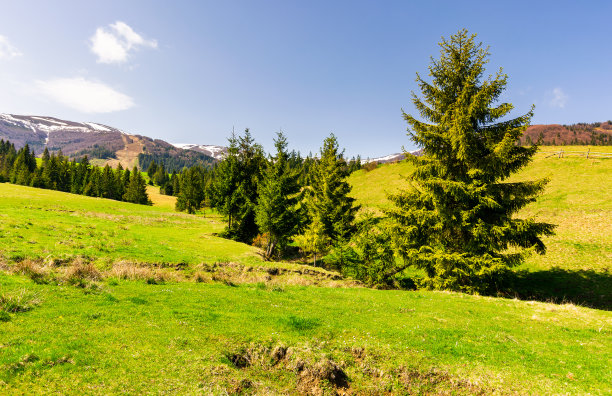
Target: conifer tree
x=251, y=163
x=137, y=189
x=176, y=184
x=276, y=212
x=45, y=156
x=225, y=183
x=191, y=191
x=92, y=185
x=160, y=177
x=108, y=188
x=456, y=223
x=152, y=169
x=329, y=201
x=119, y=186
x=234, y=191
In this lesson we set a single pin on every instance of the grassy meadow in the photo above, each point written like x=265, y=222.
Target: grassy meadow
x=578, y=262
x=105, y=297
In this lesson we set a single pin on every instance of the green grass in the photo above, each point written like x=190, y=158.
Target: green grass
x=159, y=336
x=175, y=338
x=37, y=223
x=578, y=263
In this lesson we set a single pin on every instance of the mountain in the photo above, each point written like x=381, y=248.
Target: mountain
x=104, y=144
x=596, y=134
x=217, y=152
x=391, y=157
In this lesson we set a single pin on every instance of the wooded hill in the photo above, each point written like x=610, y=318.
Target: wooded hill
x=594, y=134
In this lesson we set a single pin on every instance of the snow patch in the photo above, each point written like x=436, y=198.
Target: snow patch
x=49, y=120
x=98, y=127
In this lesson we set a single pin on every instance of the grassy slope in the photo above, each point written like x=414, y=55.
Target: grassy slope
x=138, y=338
x=577, y=199
x=37, y=223
x=133, y=337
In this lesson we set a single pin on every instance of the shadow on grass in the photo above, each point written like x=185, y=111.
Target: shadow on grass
x=582, y=287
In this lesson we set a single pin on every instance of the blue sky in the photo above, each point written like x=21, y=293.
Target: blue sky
x=190, y=71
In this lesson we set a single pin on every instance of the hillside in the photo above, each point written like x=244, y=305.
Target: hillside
x=598, y=133
x=102, y=143
x=578, y=262
x=170, y=308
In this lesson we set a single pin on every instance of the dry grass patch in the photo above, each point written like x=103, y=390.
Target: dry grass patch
x=20, y=301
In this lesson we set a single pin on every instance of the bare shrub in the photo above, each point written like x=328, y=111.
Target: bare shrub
x=81, y=274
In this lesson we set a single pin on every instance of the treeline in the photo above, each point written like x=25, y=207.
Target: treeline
x=174, y=163
x=57, y=172
x=272, y=201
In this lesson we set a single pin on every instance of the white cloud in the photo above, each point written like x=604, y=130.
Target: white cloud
x=559, y=98
x=84, y=95
x=113, y=44
x=7, y=51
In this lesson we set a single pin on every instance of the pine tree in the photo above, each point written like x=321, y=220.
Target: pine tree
x=160, y=177
x=330, y=202
x=191, y=193
x=234, y=191
x=152, y=169
x=251, y=163
x=45, y=157
x=456, y=223
x=92, y=184
x=176, y=184
x=119, y=186
x=276, y=213
x=108, y=188
x=137, y=189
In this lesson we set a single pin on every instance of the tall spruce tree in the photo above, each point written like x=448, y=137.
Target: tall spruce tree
x=225, y=183
x=136, y=191
x=456, y=223
x=329, y=202
x=276, y=213
x=191, y=193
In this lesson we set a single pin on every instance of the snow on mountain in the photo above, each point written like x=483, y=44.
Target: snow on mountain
x=390, y=158
x=51, y=124
x=217, y=152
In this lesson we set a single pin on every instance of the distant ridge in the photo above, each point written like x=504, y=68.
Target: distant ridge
x=100, y=142
x=595, y=134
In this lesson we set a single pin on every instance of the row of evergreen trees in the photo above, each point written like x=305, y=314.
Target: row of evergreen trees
x=58, y=172
x=271, y=200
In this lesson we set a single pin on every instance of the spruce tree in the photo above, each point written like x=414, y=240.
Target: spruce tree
x=120, y=188
x=234, y=191
x=457, y=223
x=329, y=201
x=191, y=193
x=108, y=188
x=152, y=169
x=225, y=183
x=136, y=191
x=276, y=213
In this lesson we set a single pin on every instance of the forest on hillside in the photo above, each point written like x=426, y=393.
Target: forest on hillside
x=593, y=134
